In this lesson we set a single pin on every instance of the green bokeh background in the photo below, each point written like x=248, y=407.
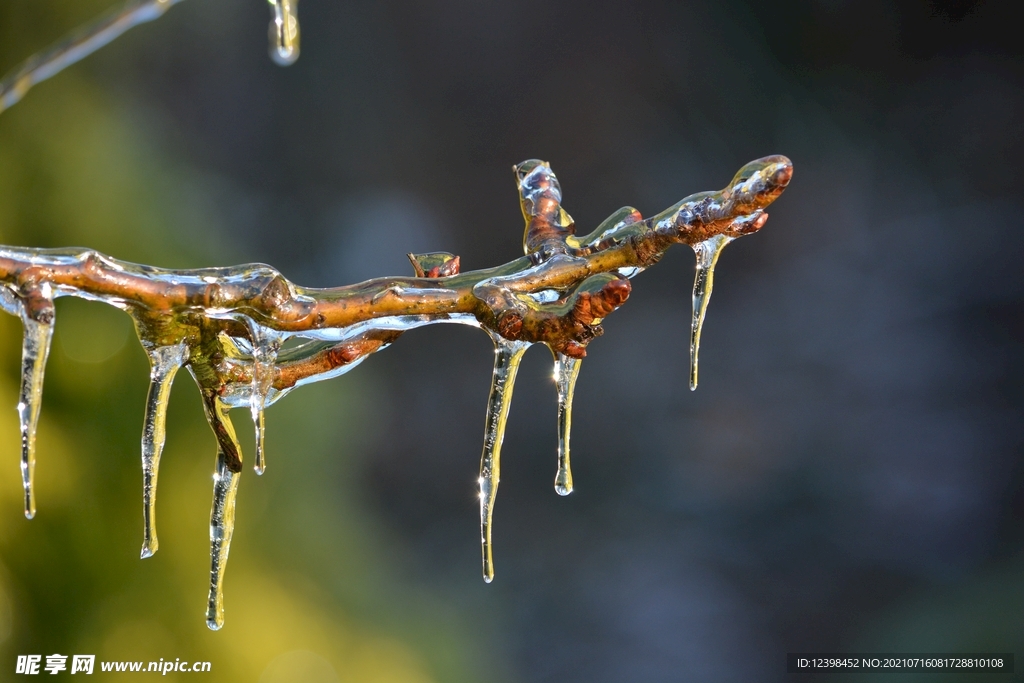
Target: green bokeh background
x=310, y=593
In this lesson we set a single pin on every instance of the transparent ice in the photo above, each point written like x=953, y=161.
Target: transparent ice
x=704, y=280
x=566, y=371
x=248, y=336
x=34, y=350
x=507, y=355
x=164, y=361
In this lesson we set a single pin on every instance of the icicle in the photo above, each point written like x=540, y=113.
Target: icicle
x=164, y=361
x=34, y=351
x=265, y=346
x=222, y=517
x=222, y=526
x=284, y=32
x=707, y=256
x=507, y=355
x=259, y=463
x=566, y=371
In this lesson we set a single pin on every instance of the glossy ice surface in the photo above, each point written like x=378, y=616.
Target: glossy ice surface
x=229, y=326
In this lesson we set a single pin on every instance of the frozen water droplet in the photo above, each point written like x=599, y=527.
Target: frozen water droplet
x=707, y=256
x=566, y=371
x=34, y=351
x=507, y=355
x=165, y=361
x=284, y=32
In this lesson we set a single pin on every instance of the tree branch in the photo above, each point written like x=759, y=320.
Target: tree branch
x=154, y=295
x=229, y=326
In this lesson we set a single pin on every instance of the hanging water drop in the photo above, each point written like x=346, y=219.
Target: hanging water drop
x=507, y=355
x=35, y=348
x=704, y=280
x=567, y=369
x=165, y=361
x=284, y=31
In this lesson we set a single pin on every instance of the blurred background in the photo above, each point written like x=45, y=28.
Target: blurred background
x=849, y=476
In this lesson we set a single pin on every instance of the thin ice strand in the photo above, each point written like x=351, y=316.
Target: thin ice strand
x=34, y=351
x=704, y=280
x=164, y=362
x=507, y=355
x=259, y=462
x=567, y=369
x=222, y=526
x=264, y=355
x=222, y=516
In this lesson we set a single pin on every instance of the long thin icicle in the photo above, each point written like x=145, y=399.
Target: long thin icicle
x=265, y=347
x=164, y=361
x=284, y=31
x=79, y=44
x=222, y=526
x=259, y=461
x=507, y=355
x=704, y=280
x=222, y=517
x=34, y=351
x=567, y=369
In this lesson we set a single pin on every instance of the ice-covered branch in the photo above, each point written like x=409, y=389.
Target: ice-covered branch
x=248, y=336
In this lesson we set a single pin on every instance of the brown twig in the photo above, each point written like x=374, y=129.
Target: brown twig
x=230, y=325
x=557, y=294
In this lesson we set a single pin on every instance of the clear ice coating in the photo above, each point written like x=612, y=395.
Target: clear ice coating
x=35, y=348
x=164, y=363
x=704, y=280
x=507, y=355
x=229, y=327
x=567, y=369
x=284, y=31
